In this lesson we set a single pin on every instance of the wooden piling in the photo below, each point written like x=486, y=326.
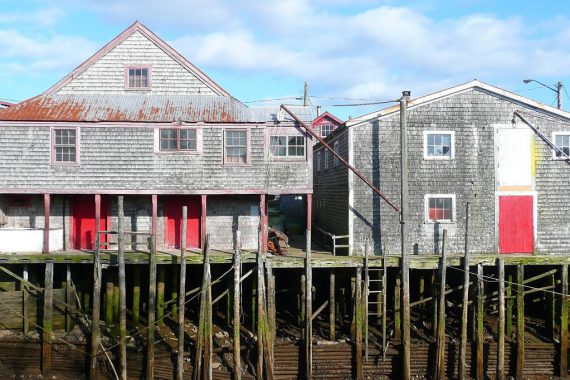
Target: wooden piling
x=308, y=308
x=501, y=338
x=182, y=297
x=271, y=311
x=116, y=298
x=25, y=301
x=160, y=287
x=434, y=302
x=208, y=325
x=136, y=293
x=69, y=299
x=332, y=303
x=200, y=337
x=465, y=307
x=260, y=309
x=480, y=320
x=174, y=295
x=236, y=305
x=551, y=307
x=47, y=321
x=440, y=356
x=151, y=309
x=96, y=310
x=109, y=297
x=564, y=324
x=359, y=317
x=520, y=322
x=397, y=311
x=302, y=303
x=509, y=302
x=122, y=290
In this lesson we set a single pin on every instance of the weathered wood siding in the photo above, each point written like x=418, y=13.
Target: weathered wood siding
x=330, y=199
x=107, y=75
x=470, y=176
x=123, y=158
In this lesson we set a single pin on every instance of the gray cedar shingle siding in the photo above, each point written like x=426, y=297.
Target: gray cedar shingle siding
x=116, y=158
x=470, y=176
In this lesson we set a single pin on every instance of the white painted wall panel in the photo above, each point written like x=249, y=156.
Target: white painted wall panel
x=514, y=157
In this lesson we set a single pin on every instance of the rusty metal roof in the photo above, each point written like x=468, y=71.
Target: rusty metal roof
x=141, y=108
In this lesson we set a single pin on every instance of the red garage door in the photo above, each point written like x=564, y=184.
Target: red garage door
x=516, y=224
x=83, y=221
x=173, y=220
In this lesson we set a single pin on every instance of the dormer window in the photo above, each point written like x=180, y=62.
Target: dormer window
x=137, y=78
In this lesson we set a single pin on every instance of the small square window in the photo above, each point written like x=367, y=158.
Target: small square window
x=439, y=145
x=235, y=149
x=173, y=139
x=326, y=129
x=64, y=145
x=138, y=78
x=287, y=146
x=440, y=208
x=562, y=142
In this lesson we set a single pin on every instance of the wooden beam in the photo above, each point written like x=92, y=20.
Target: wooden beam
x=564, y=324
x=551, y=307
x=151, y=305
x=237, y=305
x=208, y=325
x=96, y=310
x=501, y=338
x=520, y=322
x=359, y=319
x=47, y=321
x=332, y=303
x=182, y=297
x=397, y=307
x=203, y=220
x=440, y=356
x=308, y=302
x=271, y=312
x=465, y=307
x=480, y=322
x=200, y=337
x=47, y=206
x=154, y=199
x=509, y=300
x=25, y=301
x=122, y=289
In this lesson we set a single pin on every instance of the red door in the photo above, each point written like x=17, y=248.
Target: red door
x=83, y=221
x=516, y=224
x=173, y=220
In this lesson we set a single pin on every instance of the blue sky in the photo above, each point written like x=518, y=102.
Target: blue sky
x=346, y=49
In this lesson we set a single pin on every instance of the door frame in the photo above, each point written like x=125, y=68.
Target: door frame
x=534, y=196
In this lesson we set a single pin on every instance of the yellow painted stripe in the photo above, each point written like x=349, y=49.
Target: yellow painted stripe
x=533, y=156
x=515, y=188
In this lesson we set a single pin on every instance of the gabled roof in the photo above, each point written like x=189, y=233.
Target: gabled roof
x=138, y=27
x=5, y=104
x=474, y=84
x=329, y=116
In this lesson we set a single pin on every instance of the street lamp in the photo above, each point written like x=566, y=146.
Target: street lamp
x=557, y=90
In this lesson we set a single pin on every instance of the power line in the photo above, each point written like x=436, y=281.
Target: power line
x=273, y=99
x=365, y=104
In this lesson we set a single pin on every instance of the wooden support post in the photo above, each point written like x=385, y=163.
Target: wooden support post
x=116, y=298
x=501, y=341
x=182, y=297
x=109, y=297
x=47, y=321
x=434, y=302
x=440, y=357
x=25, y=301
x=152, y=291
x=263, y=222
x=397, y=307
x=520, y=322
x=136, y=293
x=302, y=304
x=551, y=307
x=359, y=317
x=308, y=302
x=465, y=307
x=96, y=298
x=260, y=300
x=203, y=219
x=271, y=310
x=122, y=289
x=69, y=299
x=509, y=311
x=237, y=304
x=332, y=303
x=564, y=324
x=364, y=303
x=480, y=320
x=47, y=206
x=208, y=325
x=160, y=295
x=384, y=304
x=200, y=337
x=174, y=295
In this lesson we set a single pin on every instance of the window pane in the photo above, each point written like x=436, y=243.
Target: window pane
x=440, y=208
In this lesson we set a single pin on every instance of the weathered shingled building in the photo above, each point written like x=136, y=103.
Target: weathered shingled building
x=139, y=119
x=464, y=145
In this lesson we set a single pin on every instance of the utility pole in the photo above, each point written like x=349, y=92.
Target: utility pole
x=557, y=90
x=306, y=95
x=404, y=231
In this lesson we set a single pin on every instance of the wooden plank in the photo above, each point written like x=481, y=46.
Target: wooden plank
x=122, y=290
x=236, y=306
x=182, y=297
x=480, y=320
x=359, y=319
x=332, y=303
x=97, y=278
x=465, y=307
x=440, y=356
x=520, y=323
x=501, y=338
x=564, y=324
x=47, y=321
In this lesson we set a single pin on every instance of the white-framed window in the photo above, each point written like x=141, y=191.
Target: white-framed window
x=440, y=208
x=137, y=78
x=64, y=145
x=439, y=145
x=319, y=157
x=236, y=147
x=336, y=161
x=562, y=141
x=178, y=139
x=326, y=129
x=287, y=146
